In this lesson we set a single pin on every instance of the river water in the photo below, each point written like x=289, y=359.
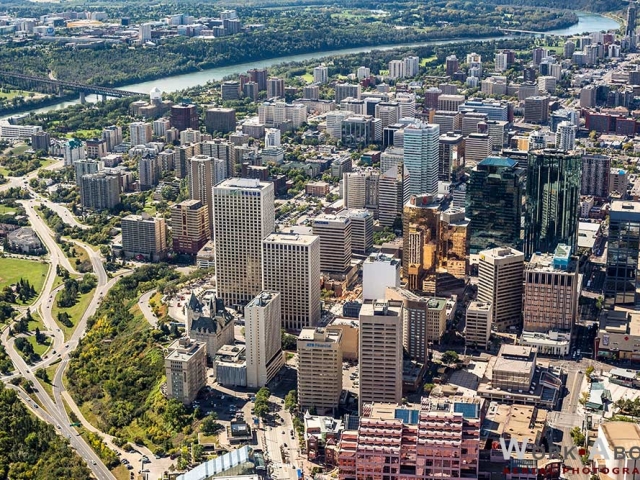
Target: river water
x=587, y=22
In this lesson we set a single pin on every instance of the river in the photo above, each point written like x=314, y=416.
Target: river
x=587, y=22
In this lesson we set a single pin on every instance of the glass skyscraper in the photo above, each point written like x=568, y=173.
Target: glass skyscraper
x=494, y=204
x=623, y=277
x=553, y=198
x=421, y=157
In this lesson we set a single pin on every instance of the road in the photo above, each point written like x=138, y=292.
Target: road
x=146, y=310
x=20, y=181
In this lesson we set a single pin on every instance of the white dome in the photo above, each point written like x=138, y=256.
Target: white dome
x=155, y=93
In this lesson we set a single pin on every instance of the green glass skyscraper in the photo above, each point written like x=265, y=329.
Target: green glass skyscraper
x=553, y=198
x=494, y=204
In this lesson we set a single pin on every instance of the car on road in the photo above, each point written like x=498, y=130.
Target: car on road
x=129, y=467
x=93, y=462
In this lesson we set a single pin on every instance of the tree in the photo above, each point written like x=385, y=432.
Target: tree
x=261, y=409
x=289, y=342
x=210, y=426
x=428, y=387
x=589, y=371
x=577, y=436
x=291, y=400
x=450, y=357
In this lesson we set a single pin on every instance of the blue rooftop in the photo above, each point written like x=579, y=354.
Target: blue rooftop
x=409, y=417
x=468, y=410
x=498, y=162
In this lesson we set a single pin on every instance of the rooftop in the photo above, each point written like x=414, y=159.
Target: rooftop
x=291, y=238
x=183, y=349
x=243, y=183
x=498, y=162
x=262, y=299
x=624, y=435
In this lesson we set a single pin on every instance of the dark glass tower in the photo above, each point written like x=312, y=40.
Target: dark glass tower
x=494, y=204
x=553, y=197
x=623, y=277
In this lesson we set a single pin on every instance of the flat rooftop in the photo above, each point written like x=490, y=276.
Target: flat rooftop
x=291, y=238
x=521, y=422
x=515, y=358
x=624, y=435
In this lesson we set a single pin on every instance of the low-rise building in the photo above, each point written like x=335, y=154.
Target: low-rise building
x=552, y=343
x=25, y=240
x=231, y=366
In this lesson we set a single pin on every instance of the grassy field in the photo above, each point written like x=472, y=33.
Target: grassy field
x=425, y=60
x=13, y=269
x=5, y=209
x=84, y=134
x=74, y=312
x=308, y=77
x=36, y=322
x=39, y=348
x=45, y=162
x=4, y=172
x=121, y=472
x=51, y=371
x=18, y=93
x=19, y=150
x=77, y=253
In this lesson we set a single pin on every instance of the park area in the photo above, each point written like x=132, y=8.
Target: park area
x=13, y=269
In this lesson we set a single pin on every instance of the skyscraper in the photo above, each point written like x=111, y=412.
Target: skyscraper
x=566, y=136
x=596, y=172
x=275, y=87
x=421, y=152
x=494, y=203
x=143, y=235
x=140, y=133
x=243, y=216
x=553, y=196
x=184, y=116
x=320, y=74
x=500, y=283
x=263, y=339
x=380, y=353
x=452, y=65
x=393, y=189
x=205, y=172
x=477, y=329
x=622, y=286
x=291, y=265
x=335, y=242
x=99, y=191
x=630, y=28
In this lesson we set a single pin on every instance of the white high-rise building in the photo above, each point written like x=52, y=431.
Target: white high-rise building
x=421, y=156
x=243, y=216
x=271, y=137
x=291, y=264
x=502, y=62
x=321, y=74
x=411, y=66
x=380, y=353
x=263, y=338
x=379, y=271
x=204, y=173
x=334, y=122
x=363, y=72
x=140, y=133
x=500, y=282
x=396, y=69
x=144, y=32
x=566, y=136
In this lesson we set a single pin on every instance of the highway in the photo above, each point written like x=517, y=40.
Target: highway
x=55, y=412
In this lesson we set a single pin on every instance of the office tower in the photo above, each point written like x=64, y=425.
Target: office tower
x=40, y=141
x=411, y=66
x=500, y=273
x=568, y=49
x=184, y=116
x=553, y=196
x=526, y=90
x=353, y=105
x=144, y=236
x=363, y=72
x=361, y=190
x=536, y=109
x=538, y=54
x=547, y=84
x=321, y=74
x=551, y=292
x=148, y=172
x=379, y=271
x=448, y=121
x=113, y=136
x=99, y=191
x=161, y=126
x=394, y=193
x=243, y=214
x=361, y=130
x=630, y=27
x=182, y=156
x=566, y=136
x=275, y=87
x=86, y=167
x=380, y=353
x=588, y=97
x=440, y=438
x=501, y=61
x=96, y=148
x=259, y=76
x=477, y=331
x=344, y=90
x=230, y=90
x=431, y=96
x=451, y=65
x=205, y=172
x=494, y=203
x=190, y=227
x=320, y=369
x=335, y=242
x=470, y=121
x=421, y=149
x=144, y=32
x=453, y=250
x=622, y=286
x=477, y=147
x=186, y=369
x=73, y=150
x=140, y=133
x=291, y=264
x=222, y=120
x=388, y=113
x=450, y=103
x=391, y=157
x=263, y=339
x=271, y=137
x=361, y=230
x=421, y=224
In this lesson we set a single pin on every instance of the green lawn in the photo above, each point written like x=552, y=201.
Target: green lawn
x=425, y=60
x=19, y=150
x=16, y=93
x=51, y=371
x=4, y=172
x=308, y=77
x=77, y=253
x=45, y=162
x=84, y=134
x=36, y=322
x=74, y=312
x=5, y=209
x=13, y=269
x=39, y=348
